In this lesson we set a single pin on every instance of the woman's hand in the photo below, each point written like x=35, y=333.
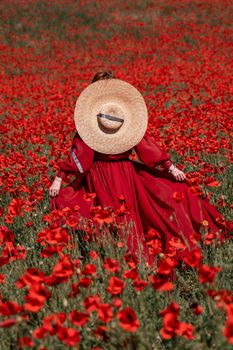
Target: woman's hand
x=55, y=187
x=176, y=173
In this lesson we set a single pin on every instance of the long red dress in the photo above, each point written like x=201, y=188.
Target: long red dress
x=157, y=201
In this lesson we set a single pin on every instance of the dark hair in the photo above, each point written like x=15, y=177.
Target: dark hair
x=106, y=74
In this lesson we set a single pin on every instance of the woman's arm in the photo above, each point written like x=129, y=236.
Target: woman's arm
x=77, y=163
x=150, y=153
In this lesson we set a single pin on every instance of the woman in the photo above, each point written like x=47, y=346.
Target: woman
x=158, y=199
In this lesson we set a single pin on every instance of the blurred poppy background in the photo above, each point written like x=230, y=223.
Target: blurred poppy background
x=60, y=285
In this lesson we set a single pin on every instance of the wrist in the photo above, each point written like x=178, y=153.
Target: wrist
x=57, y=178
x=61, y=174
x=171, y=168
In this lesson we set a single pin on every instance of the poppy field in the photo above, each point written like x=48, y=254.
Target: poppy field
x=68, y=284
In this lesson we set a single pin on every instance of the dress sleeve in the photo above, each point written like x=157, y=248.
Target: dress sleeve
x=151, y=154
x=79, y=159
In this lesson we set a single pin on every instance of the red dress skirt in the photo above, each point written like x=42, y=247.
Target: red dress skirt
x=154, y=198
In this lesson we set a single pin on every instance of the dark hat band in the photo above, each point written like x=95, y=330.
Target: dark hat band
x=110, y=117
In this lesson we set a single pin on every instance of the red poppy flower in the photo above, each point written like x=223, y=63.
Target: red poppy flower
x=2, y=278
x=50, y=251
x=228, y=329
x=153, y=241
x=9, y=308
x=115, y=286
x=100, y=331
x=39, y=333
x=51, y=324
x=207, y=274
x=62, y=271
x=8, y=219
x=132, y=274
x=85, y=282
x=166, y=266
x=162, y=284
x=6, y=235
x=128, y=320
x=78, y=318
x=155, y=246
x=15, y=207
x=212, y=182
x=209, y=238
x=123, y=209
x=173, y=307
x=105, y=313
x=197, y=309
x=36, y=298
x=74, y=290
x=117, y=302
x=120, y=244
x=221, y=296
x=69, y=336
x=193, y=258
x=111, y=265
x=152, y=234
x=30, y=277
x=89, y=269
x=186, y=330
x=56, y=235
x=91, y=302
x=176, y=244
x=20, y=252
x=139, y=285
x=29, y=223
x=131, y=260
x=25, y=341
x=93, y=255
x=8, y=323
x=172, y=326
x=104, y=217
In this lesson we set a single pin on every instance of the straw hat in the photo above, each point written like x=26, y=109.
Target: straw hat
x=111, y=116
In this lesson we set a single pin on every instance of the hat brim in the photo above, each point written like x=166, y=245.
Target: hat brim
x=89, y=104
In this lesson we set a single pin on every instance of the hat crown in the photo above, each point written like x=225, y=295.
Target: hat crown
x=110, y=117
